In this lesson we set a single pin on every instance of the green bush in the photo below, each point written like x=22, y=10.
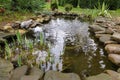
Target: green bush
x=68, y=7
x=113, y=4
x=19, y=5
x=54, y=6
x=5, y=4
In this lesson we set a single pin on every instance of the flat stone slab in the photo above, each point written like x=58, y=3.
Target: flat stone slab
x=116, y=37
x=105, y=38
x=54, y=75
x=113, y=48
x=101, y=76
x=114, y=58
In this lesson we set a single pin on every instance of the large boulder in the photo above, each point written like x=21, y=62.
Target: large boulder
x=115, y=58
x=116, y=37
x=36, y=72
x=26, y=24
x=113, y=48
x=30, y=77
x=54, y=75
x=96, y=28
x=100, y=35
x=101, y=76
x=19, y=72
x=5, y=68
x=105, y=38
x=113, y=74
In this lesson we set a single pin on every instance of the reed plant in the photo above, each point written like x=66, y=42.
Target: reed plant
x=8, y=51
x=41, y=39
x=103, y=9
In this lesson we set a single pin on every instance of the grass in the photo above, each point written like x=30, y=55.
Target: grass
x=23, y=48
x=10, y=16
x=114, y=13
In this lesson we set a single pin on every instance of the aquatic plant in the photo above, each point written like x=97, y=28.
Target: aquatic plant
x=41, y=40
x=19, y=61
x=19, y=37
x=8, y=51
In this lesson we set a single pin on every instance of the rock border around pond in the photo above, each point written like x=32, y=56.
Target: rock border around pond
x=105, y=29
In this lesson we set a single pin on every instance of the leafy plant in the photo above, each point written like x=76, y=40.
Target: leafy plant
x=8, y=51
x=68, y=7
x=19, y=37
x=19, y=61
x=54, y=6
x=103, y=10
x=41, y=39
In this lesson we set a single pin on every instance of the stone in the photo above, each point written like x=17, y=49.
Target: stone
x=114, y=58
x=110, y=42
x=113, y=74
x=47, y=18
x=117, y=20
x=96, y=28
x=19, y=72
x=118, y=70
x=101, y=76
x=40, y=20
x=36, y=72
x=100, y=20
x=7, y=27
x=16, y=25
x=100, y=35
x=26, y=24
x=109, y=31
x=30, y=77
x=5, y=68
x=35, y=24
x=54, y=75
x=113, y=48
x=21, y=31
x=105, y=38
x=116, y=37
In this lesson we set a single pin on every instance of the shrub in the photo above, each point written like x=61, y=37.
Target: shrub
x=54, y=6
x=68, y=7
x=103, y=10
x=19, y=5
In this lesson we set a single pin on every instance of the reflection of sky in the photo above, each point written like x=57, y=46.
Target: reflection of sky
x=57, y=32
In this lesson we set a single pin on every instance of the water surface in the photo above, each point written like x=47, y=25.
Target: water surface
x=72, y=48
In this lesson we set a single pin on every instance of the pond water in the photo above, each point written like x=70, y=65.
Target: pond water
x=72, y=48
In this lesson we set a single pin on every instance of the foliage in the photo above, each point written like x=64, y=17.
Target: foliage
x=19, y=5
x=19, y=61
x=22, y=49
x=8, y=52
x=113, y=4
x=54, y=6
x=5, y=4
x=103, y=10
x=41, y=40
x=68, y=7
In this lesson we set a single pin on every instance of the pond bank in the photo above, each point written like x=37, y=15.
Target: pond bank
x=101, y=28
x=107, y=31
